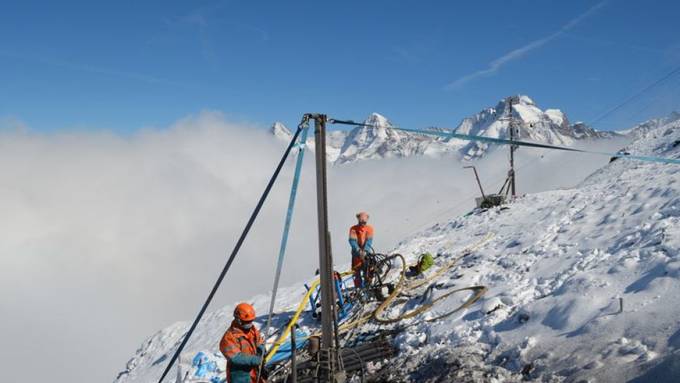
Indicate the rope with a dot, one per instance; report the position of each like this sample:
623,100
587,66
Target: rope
402,285
304,125
480,290
237,247
502,141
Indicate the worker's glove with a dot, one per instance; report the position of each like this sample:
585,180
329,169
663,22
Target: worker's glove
261,350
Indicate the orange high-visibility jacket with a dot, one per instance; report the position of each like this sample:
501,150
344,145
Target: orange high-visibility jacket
360,237
239,347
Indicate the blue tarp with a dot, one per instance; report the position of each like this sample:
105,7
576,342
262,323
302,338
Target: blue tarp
284,352
203,365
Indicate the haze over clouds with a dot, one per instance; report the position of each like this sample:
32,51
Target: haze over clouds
107,239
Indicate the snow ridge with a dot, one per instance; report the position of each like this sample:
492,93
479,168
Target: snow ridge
379,140
641,130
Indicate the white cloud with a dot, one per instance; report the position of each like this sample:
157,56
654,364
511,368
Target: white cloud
520,52
106,239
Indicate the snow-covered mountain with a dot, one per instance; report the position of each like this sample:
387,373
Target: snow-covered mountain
582,286
532,124
377,141
380,141
642,129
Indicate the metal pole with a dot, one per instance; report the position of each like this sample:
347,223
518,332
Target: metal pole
325,257
293,352
477,177
322,211
512,148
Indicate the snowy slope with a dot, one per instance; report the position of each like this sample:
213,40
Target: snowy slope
380,141
556,268
558,265
642,129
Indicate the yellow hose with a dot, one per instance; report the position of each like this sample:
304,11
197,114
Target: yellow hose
479,290
301,306
401,284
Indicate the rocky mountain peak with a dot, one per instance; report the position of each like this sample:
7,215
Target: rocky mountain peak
379,140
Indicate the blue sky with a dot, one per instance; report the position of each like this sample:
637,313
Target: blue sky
127,65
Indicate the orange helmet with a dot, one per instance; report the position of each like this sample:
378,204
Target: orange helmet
244,312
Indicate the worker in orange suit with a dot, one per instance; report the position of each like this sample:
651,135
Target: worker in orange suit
361,241
243,347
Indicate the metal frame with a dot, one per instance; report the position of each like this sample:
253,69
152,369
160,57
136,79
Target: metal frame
341,286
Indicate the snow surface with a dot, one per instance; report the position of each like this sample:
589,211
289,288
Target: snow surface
642,129
556,269
556,116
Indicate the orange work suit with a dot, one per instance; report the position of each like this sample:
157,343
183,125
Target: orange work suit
360,238
239,347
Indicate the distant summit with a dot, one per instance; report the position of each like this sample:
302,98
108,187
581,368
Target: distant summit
642,130
379,140
533,124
